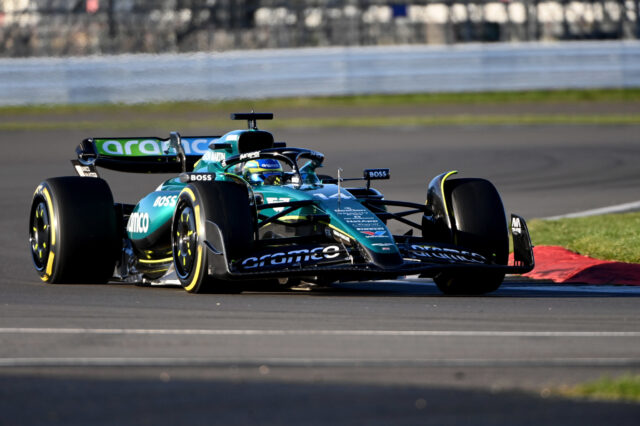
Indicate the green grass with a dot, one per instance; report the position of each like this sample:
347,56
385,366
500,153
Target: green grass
312,112
624,388
465,119
168,124
547,96
607,237
533,96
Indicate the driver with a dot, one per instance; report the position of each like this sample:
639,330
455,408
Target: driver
264,171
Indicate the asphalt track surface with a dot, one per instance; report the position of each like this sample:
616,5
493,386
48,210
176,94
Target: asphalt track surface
388,352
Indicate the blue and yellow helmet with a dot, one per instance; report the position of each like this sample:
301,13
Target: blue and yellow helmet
263,171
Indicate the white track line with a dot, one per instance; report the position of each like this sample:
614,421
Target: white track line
306,362
620,208
351,333
569,288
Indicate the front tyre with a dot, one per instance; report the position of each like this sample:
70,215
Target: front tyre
73,234
480,225
227,204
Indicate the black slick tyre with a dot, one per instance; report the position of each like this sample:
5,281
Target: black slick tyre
227,205
480,225
73,233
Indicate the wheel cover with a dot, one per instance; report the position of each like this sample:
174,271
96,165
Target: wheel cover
40,235
185,239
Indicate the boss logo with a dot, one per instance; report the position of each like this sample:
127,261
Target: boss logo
200,178
377,174
197,177
165,201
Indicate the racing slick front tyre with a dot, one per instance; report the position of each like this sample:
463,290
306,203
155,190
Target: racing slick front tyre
480,225
227,205
73,232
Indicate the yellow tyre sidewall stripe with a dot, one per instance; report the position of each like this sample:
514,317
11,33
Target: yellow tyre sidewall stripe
199,256
44,191
444,200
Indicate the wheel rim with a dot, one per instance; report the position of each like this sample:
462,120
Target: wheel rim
185,240
40,235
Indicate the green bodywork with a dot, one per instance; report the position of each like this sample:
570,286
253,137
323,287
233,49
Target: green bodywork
342,213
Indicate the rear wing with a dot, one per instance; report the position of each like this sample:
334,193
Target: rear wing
143,154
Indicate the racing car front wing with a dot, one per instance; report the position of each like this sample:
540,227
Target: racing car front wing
337,261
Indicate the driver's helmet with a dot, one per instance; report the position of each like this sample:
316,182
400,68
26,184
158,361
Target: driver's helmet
267,171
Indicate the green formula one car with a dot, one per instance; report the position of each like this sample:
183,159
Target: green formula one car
244,210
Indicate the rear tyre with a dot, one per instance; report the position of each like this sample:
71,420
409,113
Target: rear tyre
480,225
73,233
227,205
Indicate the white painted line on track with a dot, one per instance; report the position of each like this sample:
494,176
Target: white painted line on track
318,362
564,288
351,333
620,208
509,284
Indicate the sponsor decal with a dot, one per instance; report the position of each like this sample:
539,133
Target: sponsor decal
383,246
165,201
342,194
376,174
516,226
218,156
196,146
232,137
85,171
138,223
290,257
270,165
448,254
250,155
337,235
341,236
214,156
375,234
146,147
363,221
274,200
197,177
